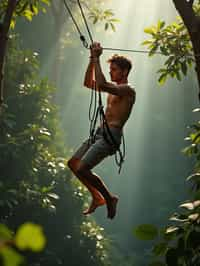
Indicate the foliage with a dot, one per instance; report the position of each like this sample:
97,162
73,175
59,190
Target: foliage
179,244
25,8
28,236
95,13
172,41
35,183
106,16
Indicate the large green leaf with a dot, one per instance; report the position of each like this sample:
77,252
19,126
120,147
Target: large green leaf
30,236
5,233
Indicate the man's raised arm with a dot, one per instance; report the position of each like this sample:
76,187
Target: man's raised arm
89,79
102,84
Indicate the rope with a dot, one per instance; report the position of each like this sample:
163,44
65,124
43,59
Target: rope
85,20
129,50
82,37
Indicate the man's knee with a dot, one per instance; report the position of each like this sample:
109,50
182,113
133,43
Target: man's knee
77,166
72,164
82,168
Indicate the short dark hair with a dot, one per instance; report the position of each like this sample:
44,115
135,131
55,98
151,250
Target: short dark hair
121,61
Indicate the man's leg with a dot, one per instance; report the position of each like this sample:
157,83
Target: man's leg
96,182
97,198
88,157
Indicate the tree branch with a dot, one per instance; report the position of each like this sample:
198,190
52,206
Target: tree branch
192,23
3,40
186,11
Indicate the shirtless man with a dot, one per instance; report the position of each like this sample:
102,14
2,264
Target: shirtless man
120,100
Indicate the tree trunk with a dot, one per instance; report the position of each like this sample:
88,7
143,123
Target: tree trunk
4,29
192,23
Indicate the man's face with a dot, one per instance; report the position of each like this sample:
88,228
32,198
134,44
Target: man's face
116,74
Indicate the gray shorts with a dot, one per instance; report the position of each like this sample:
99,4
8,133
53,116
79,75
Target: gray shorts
92,154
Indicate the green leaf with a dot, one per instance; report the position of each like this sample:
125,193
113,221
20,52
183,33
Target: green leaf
196,110
28,15
187,205
30,236
12,24
46,2
178,75
162,24
108,12
10,257
184,68
176,25
146,232
164,50
162,78
153,48
151,30
172,230
106,26
53,195
95,20
113,26
5,233
147,42
195,176
179,218
114,20
169,61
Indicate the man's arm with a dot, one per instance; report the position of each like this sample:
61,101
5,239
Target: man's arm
89,79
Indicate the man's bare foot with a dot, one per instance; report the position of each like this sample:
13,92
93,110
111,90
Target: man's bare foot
111,206
94,205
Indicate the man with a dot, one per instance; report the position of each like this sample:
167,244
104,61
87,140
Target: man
120,100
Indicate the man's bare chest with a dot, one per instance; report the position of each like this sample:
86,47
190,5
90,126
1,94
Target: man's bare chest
114,100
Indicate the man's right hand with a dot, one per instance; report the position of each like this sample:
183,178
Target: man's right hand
96,50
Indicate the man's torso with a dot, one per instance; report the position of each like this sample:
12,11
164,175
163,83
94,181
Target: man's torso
118,109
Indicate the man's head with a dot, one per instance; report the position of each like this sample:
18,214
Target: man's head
120,67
